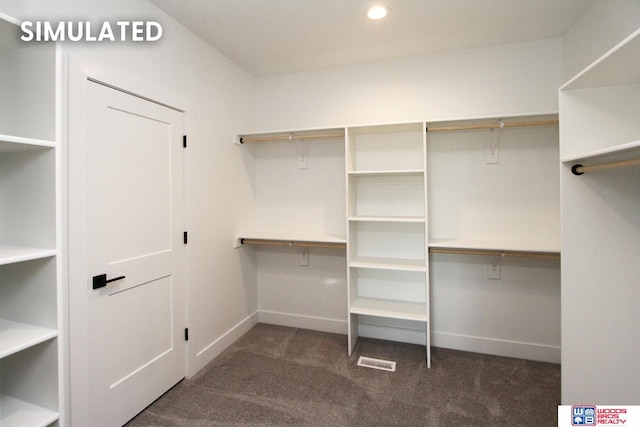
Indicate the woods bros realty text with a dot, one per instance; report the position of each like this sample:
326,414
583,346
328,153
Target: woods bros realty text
136,31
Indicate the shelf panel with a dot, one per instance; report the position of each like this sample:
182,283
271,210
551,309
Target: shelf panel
293,239
14,254
10,143
496,247
387,219
630,149
15,337
389,263
18,413
392,309
407,172
619,66
332,134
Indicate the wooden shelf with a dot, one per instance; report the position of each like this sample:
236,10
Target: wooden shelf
18,413
392,309
15,337
495,248
619,66
14,254
10,143
389,263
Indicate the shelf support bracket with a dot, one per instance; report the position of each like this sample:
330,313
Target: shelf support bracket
492,147
302,154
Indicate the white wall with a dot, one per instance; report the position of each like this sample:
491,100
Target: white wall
218,98
605,24
493,82
518,315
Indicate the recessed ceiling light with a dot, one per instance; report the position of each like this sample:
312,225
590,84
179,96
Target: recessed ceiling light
377,11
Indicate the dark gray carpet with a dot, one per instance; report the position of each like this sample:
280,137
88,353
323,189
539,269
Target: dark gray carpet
277,376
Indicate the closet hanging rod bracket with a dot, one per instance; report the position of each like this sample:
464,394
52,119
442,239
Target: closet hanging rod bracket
579,169
302,155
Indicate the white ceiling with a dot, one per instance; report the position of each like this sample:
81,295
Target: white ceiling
280,36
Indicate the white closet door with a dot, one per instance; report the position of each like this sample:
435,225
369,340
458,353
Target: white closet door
135,215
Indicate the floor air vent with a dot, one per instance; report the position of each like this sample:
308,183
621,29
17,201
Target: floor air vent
384,365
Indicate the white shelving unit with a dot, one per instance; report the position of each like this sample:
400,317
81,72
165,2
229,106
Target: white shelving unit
494,235
387,233
298,195
600,114
505,202
294,234
29,258
495,247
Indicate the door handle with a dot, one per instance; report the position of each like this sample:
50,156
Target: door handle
100,281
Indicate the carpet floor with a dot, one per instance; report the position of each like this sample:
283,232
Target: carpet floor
279,376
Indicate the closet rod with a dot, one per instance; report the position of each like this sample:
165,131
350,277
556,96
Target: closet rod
244,139
489,252
580,169
292,243
494,125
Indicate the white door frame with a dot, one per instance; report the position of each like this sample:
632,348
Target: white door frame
75,169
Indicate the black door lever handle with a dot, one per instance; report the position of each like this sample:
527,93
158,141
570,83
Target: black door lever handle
100,281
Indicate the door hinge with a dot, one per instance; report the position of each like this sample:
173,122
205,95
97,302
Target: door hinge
186,334
184,141
184,238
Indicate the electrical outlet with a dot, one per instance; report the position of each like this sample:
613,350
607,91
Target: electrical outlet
493,269
303,257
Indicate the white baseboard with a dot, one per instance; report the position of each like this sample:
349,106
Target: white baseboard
498,347
211,351
484,345
305,322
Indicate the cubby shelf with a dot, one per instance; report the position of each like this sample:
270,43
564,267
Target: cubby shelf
408,172
389,263
392,309
13,254
9,143
15,336
387,219
17,413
